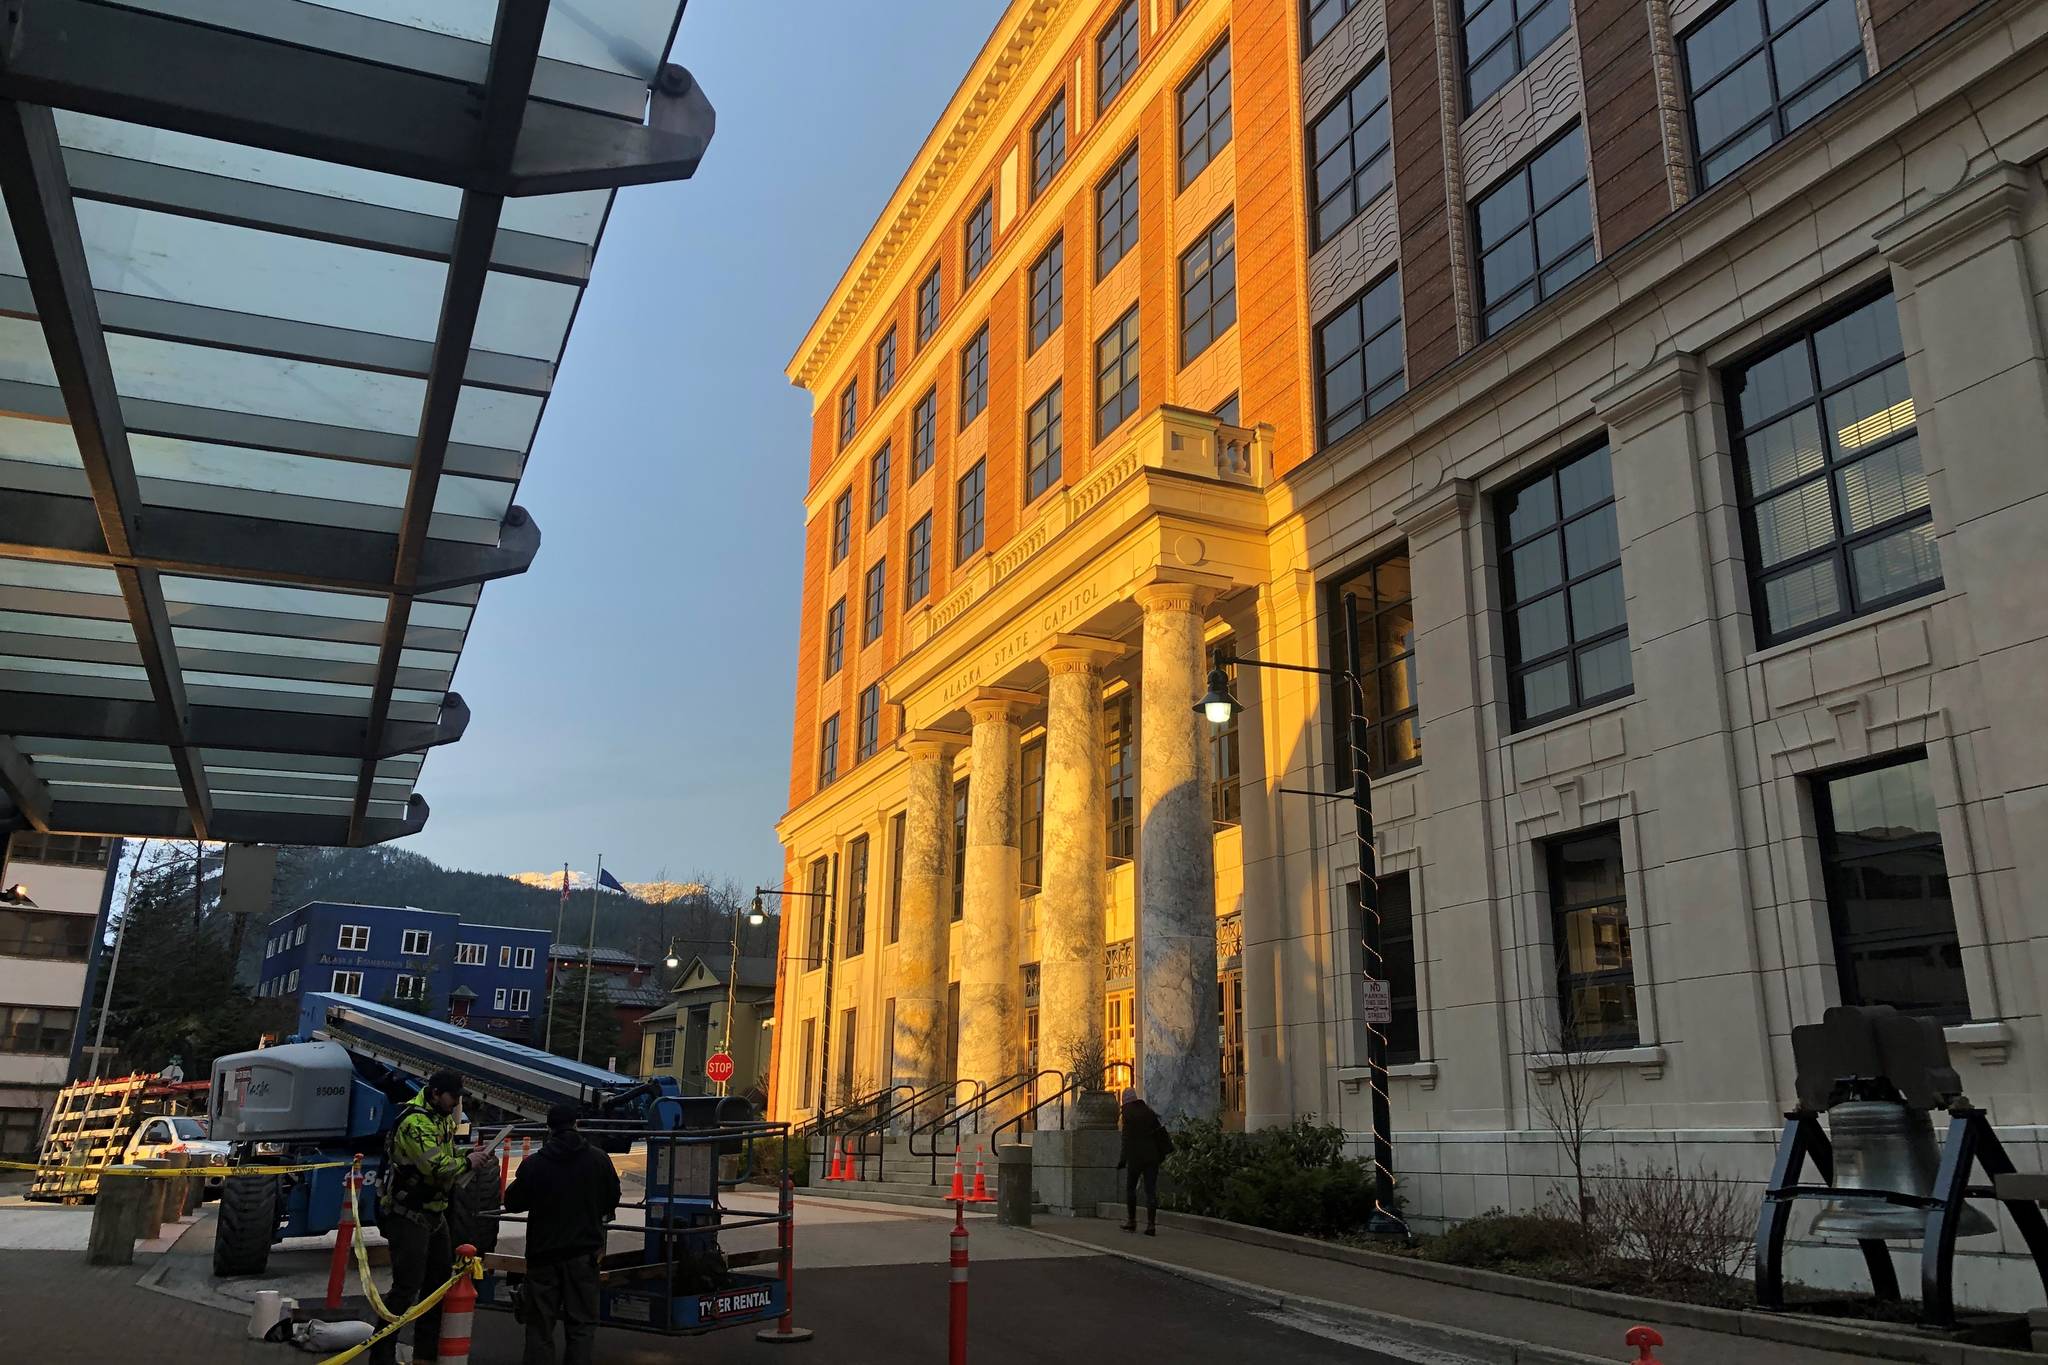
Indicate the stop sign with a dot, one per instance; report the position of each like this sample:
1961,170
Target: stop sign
718,1067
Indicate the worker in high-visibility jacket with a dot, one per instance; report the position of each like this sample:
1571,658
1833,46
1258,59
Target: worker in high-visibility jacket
423,1167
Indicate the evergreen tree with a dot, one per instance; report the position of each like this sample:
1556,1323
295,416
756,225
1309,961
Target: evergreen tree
565,1007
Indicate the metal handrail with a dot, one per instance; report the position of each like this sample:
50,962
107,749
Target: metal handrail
879,1124
947,1117
1067,1087
1003,1089
823,1122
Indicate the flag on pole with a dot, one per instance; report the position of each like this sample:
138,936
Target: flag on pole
608,882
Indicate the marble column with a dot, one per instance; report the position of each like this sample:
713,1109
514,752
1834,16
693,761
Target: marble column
1075,894
991,978
921,956
1179,1062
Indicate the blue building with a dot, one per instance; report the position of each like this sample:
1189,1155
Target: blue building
487,976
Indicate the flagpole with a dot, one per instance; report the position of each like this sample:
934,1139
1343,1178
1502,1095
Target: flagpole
561,909
589,959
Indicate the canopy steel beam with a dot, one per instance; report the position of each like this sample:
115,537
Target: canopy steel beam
262,91
233,826
65,530
19,782
515,48
317,217
45,225
286,339
33,716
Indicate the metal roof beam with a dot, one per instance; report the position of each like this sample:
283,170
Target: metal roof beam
33,716
21,785
317,217
66,530
45,226
233,826
286,339
265,91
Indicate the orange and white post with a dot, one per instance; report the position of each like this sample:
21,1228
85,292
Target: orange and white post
458,1310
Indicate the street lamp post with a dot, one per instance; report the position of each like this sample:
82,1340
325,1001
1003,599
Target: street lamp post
1220,706
755,918
831,898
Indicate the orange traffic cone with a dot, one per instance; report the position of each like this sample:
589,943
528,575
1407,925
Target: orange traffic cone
980,1194
851,1170
832,1167
958,1194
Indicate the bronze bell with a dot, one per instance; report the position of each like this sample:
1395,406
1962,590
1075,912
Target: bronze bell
1884,1145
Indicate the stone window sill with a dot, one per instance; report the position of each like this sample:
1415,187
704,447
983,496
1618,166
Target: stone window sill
1354,1078
1649,1060
1988,1043
1881,616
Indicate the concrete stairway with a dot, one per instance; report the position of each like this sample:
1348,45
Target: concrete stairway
899,1177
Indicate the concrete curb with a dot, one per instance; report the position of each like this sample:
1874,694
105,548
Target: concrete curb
1816,1333
1413,1331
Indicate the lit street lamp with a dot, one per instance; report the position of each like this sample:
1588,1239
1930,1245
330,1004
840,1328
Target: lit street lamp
1219,706
756,919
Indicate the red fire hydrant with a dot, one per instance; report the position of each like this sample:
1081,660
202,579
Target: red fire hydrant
1643,1338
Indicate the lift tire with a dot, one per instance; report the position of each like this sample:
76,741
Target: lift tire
245,1225
473,1209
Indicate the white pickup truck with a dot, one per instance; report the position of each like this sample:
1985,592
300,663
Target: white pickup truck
170,1133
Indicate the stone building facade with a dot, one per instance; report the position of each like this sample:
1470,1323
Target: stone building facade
1648,399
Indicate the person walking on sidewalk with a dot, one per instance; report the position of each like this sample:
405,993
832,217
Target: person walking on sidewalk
570,1190
422,1169
1146,1144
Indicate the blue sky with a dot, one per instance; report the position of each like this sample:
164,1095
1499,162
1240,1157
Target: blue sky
632,692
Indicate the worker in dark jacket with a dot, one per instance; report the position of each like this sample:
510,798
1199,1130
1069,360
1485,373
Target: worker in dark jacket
1145,1145
570,1190
423,1167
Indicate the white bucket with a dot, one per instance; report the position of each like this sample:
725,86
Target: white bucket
264,1315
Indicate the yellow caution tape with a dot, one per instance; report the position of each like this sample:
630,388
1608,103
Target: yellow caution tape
473,1266
168,1172
363,1259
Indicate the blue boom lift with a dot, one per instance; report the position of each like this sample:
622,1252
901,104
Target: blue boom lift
333,1091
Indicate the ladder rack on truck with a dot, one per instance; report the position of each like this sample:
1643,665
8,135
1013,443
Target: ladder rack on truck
90,1125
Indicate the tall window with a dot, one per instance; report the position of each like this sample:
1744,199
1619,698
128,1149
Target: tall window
1359,365
1227,412
1116,54
1324,15
835,637
415,943
959,847
878,485
1397,967
874,597
1351,145
814,925
1888,896
888,1041
1049,144
1120,780
828,750
897,825
928,294
974,377
1372,627
1225,757
806,1053
870,723
1205,113
1042,444
885,364
469,954
1048,286
1502,37
1208,288
924,433
1596,976
849,411
917,582
979,239
856,920
849,1034
1116,374
346,983
405,987
1827,459
1116,213
968,503
665,1048
1535,231
353,938
842,526
1031,815
1755,72
1567,621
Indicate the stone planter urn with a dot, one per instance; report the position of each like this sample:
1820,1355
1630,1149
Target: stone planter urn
1095,1109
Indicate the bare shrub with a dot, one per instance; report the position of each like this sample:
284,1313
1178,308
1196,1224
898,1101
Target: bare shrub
1674,1227
1566,1104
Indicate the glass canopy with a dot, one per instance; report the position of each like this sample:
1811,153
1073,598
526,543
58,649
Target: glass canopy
283,288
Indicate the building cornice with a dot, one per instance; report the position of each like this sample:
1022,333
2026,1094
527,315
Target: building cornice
979,105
